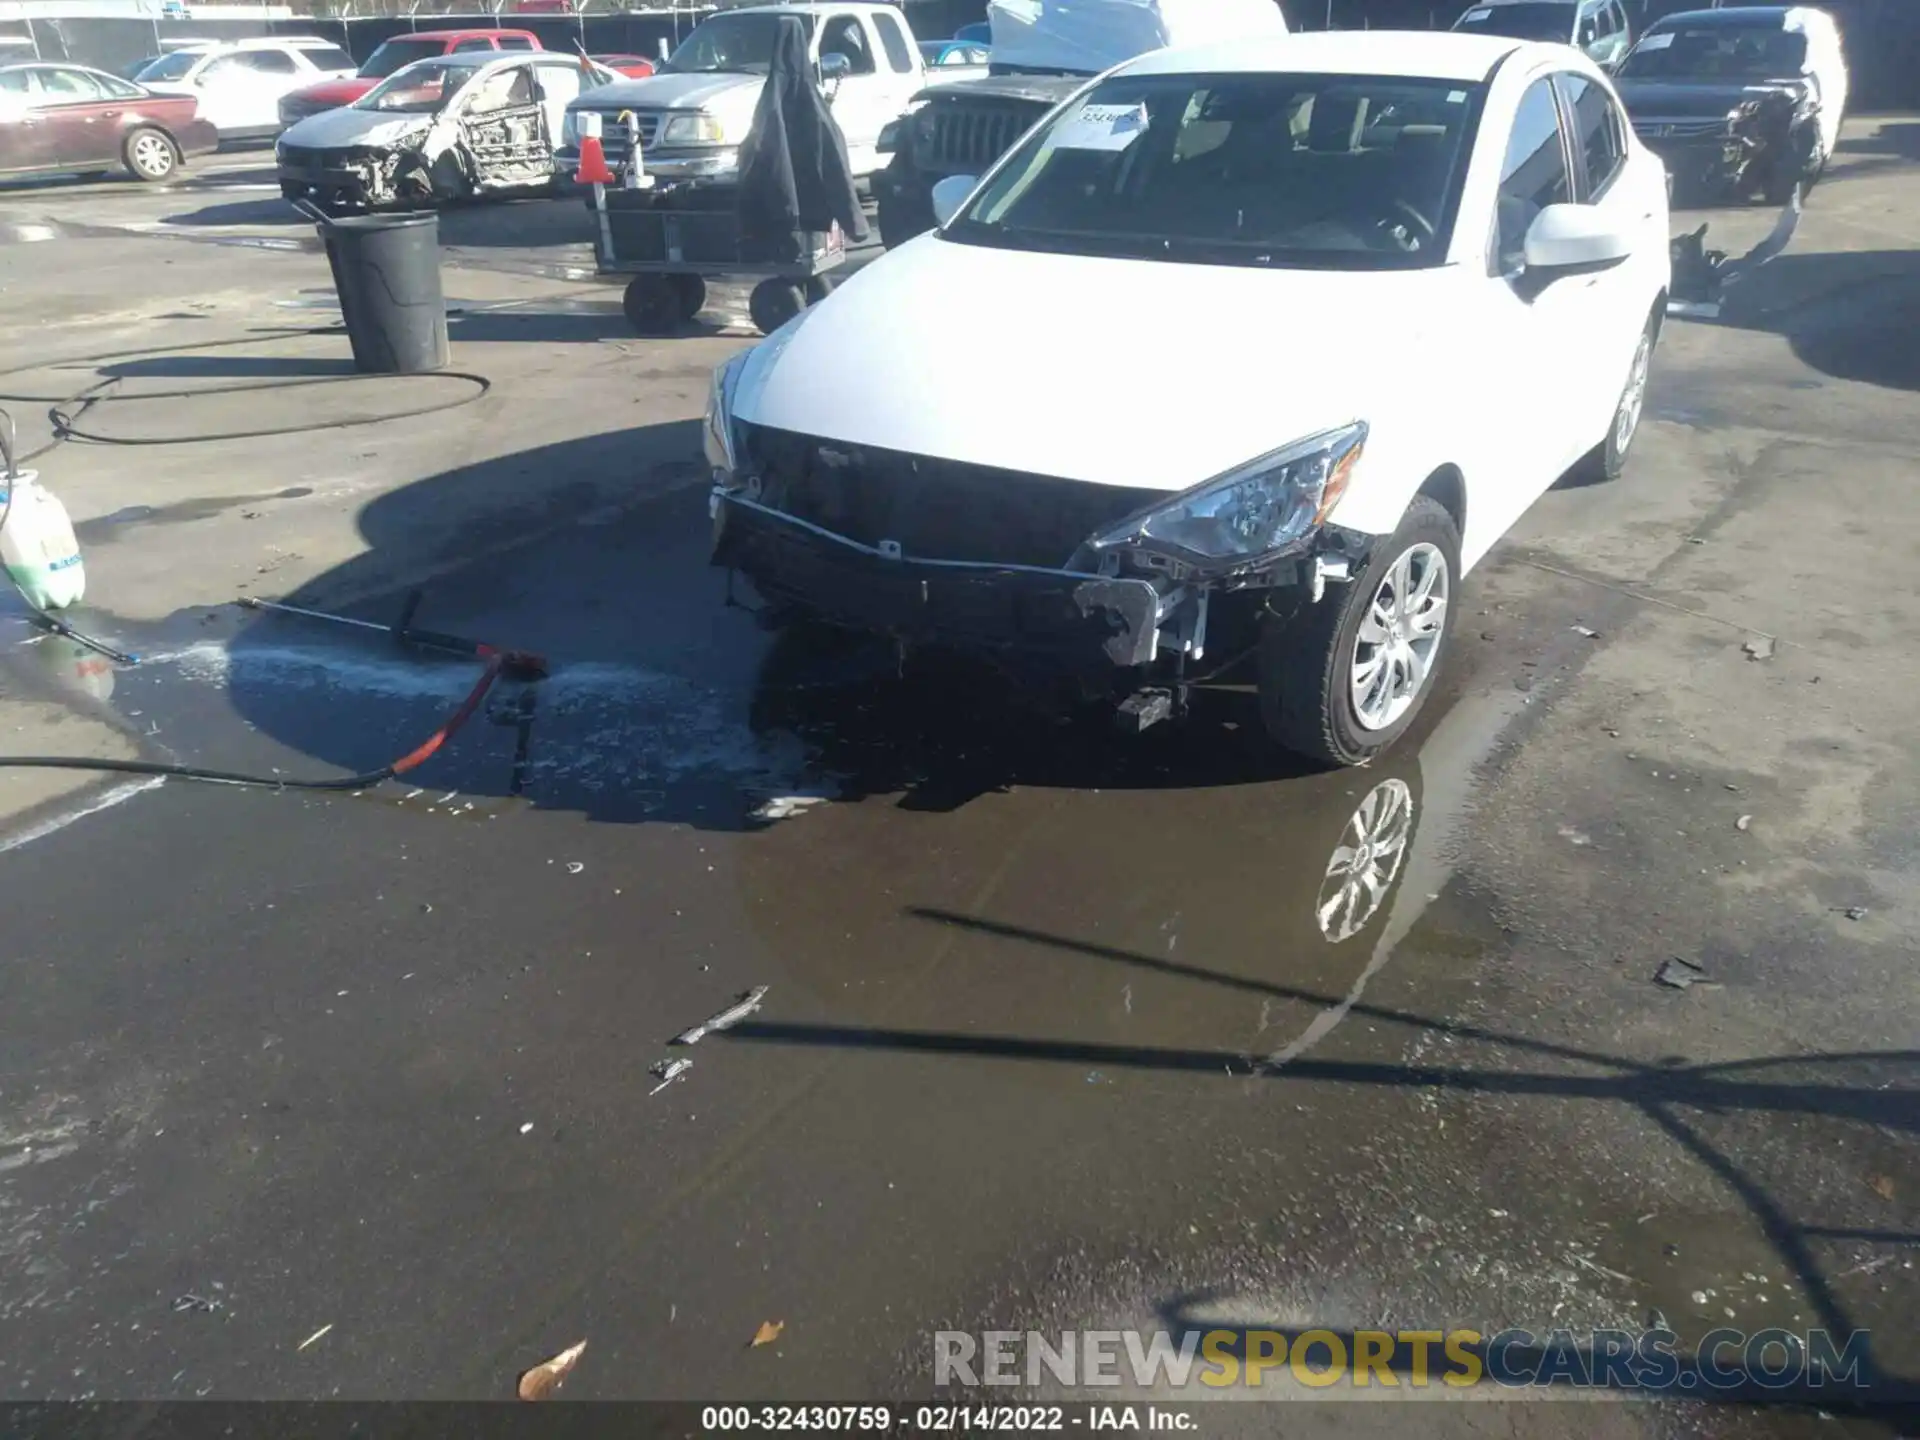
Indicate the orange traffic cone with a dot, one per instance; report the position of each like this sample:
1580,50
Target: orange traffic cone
593,163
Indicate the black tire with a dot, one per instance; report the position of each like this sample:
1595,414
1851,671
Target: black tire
774,302
150,154
691,293
819,287
1608,460
652,304
1305,662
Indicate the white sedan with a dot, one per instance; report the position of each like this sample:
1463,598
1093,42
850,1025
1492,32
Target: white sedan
1250,349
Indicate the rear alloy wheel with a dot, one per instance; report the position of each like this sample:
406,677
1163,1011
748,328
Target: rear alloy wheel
150,154
1344,679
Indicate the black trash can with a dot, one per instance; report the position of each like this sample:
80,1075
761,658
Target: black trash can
386,271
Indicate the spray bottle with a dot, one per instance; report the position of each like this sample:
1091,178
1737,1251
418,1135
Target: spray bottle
37,544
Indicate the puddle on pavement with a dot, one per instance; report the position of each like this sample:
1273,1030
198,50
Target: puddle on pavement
105,529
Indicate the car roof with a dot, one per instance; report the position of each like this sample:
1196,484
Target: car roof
1734,15
1412,54
476,31
808,7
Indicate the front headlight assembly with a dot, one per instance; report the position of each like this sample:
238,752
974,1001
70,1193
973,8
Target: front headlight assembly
717,435
1255,514
699,129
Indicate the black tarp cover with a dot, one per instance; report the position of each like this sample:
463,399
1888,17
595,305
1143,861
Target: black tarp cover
795,179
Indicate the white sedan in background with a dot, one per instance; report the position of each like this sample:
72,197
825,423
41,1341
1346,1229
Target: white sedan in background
1288,334
239,85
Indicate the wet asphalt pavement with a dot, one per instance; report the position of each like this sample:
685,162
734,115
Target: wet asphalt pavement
1061,1029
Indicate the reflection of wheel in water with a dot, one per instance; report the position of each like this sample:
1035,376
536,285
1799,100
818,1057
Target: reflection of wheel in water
1364,864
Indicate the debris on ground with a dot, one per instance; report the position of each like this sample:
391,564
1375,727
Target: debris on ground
1760,649
527,1129
545,1378
1881,1185
1575,837
1583,630
1855,912
768,1332
574,867
191,1301
313,1337
668,1071
784,807
1743,822
726,1019
1678,974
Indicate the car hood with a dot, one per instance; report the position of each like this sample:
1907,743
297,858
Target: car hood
1136,373
1695,98
1040,90
336,129
670,92
334,92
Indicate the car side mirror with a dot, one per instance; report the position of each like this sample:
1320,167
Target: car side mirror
950,194
1564,238
835,66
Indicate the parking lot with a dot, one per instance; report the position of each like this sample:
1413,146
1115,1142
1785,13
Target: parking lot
1057,1033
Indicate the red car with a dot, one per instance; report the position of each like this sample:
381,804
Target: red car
67,119
634,67
400,50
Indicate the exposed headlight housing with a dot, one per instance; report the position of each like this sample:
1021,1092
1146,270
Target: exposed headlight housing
699,129
1252,515
717,434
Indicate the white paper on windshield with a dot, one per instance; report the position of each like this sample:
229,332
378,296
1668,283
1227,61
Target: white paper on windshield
1656,42
1102,127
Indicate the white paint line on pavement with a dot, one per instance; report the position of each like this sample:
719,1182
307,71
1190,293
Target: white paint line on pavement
115,796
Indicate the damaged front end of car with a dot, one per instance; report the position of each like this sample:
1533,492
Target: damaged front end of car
1109,592
366,177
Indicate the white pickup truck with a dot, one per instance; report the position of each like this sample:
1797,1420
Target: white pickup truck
696,109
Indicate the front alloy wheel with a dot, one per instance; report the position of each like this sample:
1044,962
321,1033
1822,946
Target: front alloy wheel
1400,637
1343,679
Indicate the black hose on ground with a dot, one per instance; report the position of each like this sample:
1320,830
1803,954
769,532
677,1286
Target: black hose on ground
96,393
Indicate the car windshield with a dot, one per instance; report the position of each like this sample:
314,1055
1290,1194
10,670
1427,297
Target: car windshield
1535,20
396,53
171,67
422,89
1717,52
730,43
1329,171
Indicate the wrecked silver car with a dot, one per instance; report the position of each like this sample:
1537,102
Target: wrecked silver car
443,129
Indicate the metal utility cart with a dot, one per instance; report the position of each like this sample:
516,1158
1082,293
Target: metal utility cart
670,237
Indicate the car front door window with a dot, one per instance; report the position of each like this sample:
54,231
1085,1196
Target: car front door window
844,37
502,90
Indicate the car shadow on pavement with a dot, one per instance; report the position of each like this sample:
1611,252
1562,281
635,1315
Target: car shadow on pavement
665,703
1899,138
1845,314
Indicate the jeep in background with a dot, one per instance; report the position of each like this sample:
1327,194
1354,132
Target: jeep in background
1042,51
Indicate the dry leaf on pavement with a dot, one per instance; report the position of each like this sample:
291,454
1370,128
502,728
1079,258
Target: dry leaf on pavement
768,1332
543,1379
1882,1185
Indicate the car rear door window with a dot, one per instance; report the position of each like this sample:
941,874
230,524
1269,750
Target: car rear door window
560,81
515,42
1534,174
65,87
268,62
473,43
1598,133
327,57
899,53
